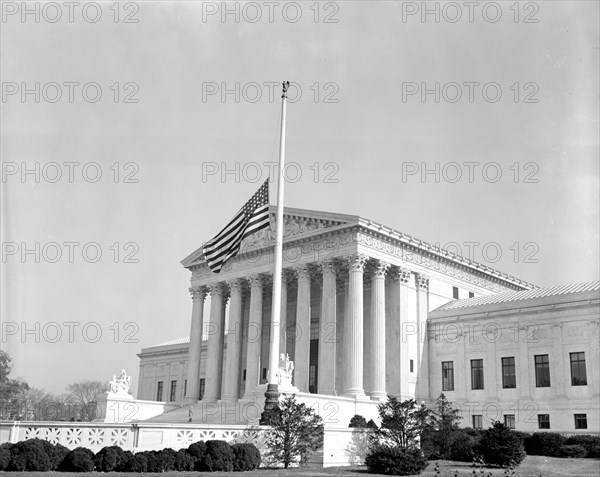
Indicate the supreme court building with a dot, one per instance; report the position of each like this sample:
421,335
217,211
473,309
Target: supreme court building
358,323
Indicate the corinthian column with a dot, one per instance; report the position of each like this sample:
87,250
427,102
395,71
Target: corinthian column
302,353
234,342
422,283
353,329
377,334
395,331
327,331
215,331
254,335
195,350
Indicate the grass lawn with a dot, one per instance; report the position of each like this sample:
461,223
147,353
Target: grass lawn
532,466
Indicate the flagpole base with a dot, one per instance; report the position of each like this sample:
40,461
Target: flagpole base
271,403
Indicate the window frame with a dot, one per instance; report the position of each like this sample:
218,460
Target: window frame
173,391
475,369
541,370
448,381
506,376
159,390
542,424
480,419
508,417
581,418
579,365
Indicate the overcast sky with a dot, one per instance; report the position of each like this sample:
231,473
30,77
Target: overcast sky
358,140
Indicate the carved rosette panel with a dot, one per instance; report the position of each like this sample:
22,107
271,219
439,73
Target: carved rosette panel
422,281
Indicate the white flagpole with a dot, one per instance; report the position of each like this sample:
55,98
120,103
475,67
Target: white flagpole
272,393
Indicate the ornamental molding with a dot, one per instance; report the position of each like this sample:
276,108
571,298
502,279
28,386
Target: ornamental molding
333,246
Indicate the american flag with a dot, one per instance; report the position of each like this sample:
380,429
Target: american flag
252,217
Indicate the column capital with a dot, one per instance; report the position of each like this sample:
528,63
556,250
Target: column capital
399,274
327,267
218,289
301,272
422,281
235,286
378,268
356,261
198,292
256,281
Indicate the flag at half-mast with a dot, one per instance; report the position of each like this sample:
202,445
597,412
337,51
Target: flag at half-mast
252,217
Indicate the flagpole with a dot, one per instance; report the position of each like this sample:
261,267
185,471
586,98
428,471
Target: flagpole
272,392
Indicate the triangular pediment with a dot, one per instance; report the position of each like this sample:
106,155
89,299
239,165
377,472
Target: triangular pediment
296,224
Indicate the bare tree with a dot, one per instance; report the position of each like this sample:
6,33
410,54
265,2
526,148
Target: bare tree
85,393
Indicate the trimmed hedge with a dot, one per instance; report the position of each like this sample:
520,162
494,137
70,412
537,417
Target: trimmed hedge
395,461
591,444
29,455
219,457
40,455
574,451
78,460
246,457
545,443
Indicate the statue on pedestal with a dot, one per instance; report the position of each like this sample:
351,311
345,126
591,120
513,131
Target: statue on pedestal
120,386
286,369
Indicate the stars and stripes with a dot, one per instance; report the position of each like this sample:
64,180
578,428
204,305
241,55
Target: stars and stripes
252,217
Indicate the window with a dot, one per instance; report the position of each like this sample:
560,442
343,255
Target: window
312,378
185,387
159,391
477,374
244,375
455,293
580,421
471,295
509,379
201,390
264,373
509,421
543,421
447,375
542,371
578,375
411,366
477,421
173,393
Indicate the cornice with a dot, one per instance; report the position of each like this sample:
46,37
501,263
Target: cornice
383,239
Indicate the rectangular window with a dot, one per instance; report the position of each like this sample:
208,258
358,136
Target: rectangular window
543,421
455,293
509,379
477,374
159,391
477,421
471,295
173,393
264,373
312,379
244,375
185,387
580,421
578,374
542,371
447,375
509,421
411,366
201,388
